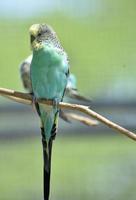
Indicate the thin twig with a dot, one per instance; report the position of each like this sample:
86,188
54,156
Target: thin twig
27,98
85,120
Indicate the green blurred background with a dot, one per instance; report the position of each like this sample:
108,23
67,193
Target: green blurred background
99,37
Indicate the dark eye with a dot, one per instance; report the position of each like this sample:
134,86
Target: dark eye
45,31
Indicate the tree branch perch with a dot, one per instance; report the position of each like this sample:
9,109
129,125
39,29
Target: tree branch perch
27,99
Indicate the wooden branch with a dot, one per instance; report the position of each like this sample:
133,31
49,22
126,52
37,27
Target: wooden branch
82,119
27,99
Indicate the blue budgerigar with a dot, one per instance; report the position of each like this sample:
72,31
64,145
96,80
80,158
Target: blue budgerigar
71,93
49,71
71,88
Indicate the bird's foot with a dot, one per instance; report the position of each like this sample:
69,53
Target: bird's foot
31,93
35,104
34,101
56,102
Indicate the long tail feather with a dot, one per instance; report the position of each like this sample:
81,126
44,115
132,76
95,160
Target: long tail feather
47,151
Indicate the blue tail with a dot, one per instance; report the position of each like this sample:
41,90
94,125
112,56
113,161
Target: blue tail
47,141
47,152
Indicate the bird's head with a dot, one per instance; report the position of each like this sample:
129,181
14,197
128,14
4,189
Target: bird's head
39,34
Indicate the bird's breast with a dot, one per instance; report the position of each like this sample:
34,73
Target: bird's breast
48,74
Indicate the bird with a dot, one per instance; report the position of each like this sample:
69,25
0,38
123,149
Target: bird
49,71
71,90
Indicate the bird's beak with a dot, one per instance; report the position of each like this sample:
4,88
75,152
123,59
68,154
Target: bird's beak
33,32
34,29
32,38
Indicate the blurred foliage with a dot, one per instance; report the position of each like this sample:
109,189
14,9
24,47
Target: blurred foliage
82,168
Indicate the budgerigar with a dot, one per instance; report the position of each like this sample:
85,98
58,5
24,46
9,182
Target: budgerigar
71,88
70,92
49,72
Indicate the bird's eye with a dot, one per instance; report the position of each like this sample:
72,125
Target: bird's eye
45,31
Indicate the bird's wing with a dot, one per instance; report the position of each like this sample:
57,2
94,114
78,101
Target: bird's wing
74,94
25,73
